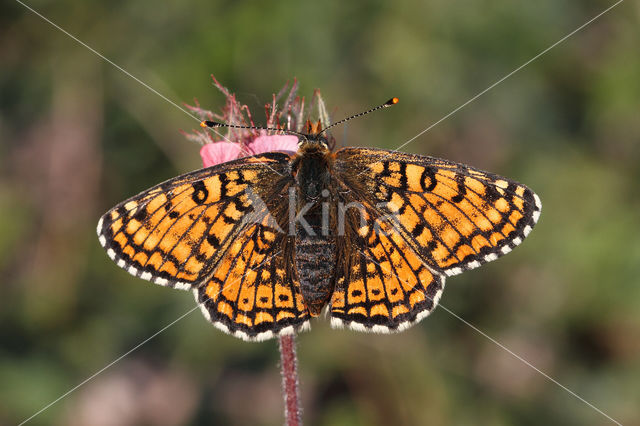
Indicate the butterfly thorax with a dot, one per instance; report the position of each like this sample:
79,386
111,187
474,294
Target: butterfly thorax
315,247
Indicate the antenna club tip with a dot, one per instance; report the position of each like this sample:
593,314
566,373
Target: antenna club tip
392,101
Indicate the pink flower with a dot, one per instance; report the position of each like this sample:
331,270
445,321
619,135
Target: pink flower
221,152
237,143
286,143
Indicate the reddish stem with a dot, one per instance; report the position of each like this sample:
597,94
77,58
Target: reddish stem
289,368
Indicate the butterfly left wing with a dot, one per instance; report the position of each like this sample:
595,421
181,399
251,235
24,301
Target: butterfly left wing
216,231
453,216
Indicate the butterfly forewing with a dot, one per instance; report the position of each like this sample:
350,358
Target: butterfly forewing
453,216
173,233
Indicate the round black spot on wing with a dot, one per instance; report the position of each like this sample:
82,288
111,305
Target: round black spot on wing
428,179
200,192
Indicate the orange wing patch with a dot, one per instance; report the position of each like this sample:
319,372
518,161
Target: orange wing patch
251,295
174,233
388,287
453,216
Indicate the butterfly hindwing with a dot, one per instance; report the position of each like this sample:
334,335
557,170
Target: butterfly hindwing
253,294
386,287
453,216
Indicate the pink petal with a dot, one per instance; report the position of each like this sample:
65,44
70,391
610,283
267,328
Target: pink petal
219,152
287,143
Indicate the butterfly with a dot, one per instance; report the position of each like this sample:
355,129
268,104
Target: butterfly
269,241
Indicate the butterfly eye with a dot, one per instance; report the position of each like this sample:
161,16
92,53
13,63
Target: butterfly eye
324,143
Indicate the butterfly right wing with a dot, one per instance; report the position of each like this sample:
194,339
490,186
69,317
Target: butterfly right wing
425,219
386,287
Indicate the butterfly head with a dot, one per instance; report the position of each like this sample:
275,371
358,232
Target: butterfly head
313,132
313,137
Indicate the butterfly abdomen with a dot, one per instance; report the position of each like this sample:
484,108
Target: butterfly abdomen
315,252
315,263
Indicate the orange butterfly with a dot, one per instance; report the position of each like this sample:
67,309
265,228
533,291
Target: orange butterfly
266,242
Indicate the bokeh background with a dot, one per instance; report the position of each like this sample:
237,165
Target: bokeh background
78,136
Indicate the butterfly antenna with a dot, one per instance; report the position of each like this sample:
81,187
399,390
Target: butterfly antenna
387,104
215,124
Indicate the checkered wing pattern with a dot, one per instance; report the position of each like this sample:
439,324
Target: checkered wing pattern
385,286
454,216
442,218
188,232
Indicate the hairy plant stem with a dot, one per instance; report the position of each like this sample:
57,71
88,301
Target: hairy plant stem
289,370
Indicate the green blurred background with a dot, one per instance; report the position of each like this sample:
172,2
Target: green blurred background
78,136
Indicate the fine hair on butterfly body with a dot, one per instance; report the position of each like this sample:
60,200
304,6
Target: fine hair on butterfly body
268,241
